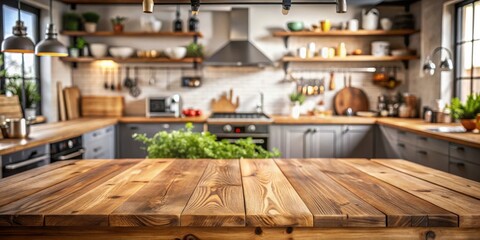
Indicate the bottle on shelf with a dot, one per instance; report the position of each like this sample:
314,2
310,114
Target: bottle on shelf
178,24
193,23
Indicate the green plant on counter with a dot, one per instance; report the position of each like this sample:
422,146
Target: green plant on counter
469,110
91,17
118,20
194,50
80,43
187,144
297,97
71,21
14,86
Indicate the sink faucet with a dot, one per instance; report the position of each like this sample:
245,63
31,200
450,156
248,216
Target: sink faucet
260,104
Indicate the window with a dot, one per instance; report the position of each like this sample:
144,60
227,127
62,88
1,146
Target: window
467,48
13,61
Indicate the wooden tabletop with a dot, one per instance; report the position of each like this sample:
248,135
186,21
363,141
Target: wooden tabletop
319,193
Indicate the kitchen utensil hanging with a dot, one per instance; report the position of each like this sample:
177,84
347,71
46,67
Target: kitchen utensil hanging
128,82
112,84
119,83
135,90
105,80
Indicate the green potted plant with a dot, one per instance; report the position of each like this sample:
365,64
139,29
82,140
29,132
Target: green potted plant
194,50
14,86
467,112
296,99
91,19
118,23
71,21
191,145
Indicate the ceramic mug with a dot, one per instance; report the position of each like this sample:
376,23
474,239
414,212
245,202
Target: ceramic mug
386,24
353,25
325,25
380,48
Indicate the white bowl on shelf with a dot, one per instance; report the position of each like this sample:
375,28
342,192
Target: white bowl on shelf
98,50
121,52
176,52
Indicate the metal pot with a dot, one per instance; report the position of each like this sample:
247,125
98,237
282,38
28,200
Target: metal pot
15,128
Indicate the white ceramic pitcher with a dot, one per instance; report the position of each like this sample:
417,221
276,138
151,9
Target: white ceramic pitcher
370,19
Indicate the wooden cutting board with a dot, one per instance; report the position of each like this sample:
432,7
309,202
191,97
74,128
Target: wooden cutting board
225,104
102,106
72,102
10,107
350,97
62,113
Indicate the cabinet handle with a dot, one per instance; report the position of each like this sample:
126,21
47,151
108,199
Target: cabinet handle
97,149
423,138
402,132
401,145
423,152
305,142
460,149
314,131
346,130
134,128
166,126
459,164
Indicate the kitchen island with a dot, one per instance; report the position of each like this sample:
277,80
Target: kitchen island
238,199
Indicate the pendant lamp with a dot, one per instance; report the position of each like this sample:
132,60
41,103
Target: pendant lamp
18,42
50,46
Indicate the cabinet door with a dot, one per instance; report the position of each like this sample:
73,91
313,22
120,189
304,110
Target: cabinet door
386,142
432,159
130,148
407,152
325,142
100,144
464,169
357,141
297,142
275,139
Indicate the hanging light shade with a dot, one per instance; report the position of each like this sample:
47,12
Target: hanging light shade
18,42
50,46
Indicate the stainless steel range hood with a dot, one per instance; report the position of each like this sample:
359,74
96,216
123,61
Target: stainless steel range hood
239,51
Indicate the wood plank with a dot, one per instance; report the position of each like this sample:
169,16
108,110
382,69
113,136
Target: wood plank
132,34
354,58
132,60
218,198
18,190
102,106
331,204
437,177
234,233
340,33
29,211
94,207
467,208
161,202
72,102
10,107
402,209
270,200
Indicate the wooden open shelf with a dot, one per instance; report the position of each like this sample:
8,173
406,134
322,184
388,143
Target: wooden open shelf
131,34
359,58
131,60
340,33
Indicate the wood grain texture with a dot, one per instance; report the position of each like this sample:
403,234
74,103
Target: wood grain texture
331,204
132,34
350,97
72,102
132,119
467,208
10,107
236,233
102,106
402,209
62,112
218,198
287,120
270,200
353,58
161,202
225,104
94,207
452,182
131,60
340,33
29,211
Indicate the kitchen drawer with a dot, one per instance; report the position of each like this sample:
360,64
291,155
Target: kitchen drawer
431,144
94,148
407,151
464,169
433,159
466,153
99,134
406,137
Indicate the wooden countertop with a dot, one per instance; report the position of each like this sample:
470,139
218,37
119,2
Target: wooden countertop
140,119
420,127
52,132
283,119
265,193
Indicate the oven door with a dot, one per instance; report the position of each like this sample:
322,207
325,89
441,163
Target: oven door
24,165
72,154
259,141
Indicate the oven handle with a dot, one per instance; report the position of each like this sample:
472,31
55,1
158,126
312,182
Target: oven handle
26,163
256,141
72,155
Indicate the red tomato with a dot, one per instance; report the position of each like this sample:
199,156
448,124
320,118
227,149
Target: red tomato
198,112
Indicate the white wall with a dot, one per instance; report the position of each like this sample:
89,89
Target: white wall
246,82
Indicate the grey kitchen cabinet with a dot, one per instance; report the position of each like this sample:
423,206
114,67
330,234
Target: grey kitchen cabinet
100,144
357,141
306,141
464,161
129,148
386,142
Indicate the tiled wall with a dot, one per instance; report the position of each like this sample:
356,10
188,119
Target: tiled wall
246,82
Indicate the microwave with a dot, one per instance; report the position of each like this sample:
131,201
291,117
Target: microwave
164,106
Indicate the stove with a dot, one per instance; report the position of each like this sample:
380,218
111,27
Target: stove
234,126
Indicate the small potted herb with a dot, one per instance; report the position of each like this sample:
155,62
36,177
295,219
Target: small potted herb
14,86
296,99
118,23
91,19
194,50
71,21
467,112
